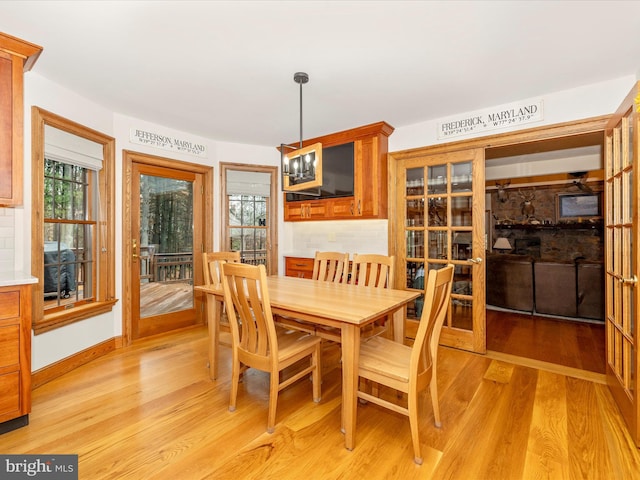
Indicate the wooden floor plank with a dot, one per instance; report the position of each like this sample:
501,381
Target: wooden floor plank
151,411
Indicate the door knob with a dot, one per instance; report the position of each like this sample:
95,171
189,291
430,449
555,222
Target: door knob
628,281
476,260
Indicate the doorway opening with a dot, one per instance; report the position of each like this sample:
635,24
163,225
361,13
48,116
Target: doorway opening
545,275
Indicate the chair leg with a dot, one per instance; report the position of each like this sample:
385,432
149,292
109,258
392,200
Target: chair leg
433,388
235,379
413,422
315,375
273,400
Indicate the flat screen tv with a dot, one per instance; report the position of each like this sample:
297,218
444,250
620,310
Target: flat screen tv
575,206
337,175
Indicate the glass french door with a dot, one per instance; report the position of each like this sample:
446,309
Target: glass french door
441,199
622,260
163,238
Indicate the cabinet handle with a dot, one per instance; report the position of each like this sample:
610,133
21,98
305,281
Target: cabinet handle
359,209
351,208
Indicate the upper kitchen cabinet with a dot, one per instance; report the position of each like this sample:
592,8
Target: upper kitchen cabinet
355,181
16,57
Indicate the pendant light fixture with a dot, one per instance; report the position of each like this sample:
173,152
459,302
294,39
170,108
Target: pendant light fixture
301,165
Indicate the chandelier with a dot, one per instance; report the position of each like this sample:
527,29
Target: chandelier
301,166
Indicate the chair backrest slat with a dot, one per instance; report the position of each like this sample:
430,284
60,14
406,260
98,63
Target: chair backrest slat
372,270
436,305
331,267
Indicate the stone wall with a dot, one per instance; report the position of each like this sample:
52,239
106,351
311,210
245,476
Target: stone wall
542,234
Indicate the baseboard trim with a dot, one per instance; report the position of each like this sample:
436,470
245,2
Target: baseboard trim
59,368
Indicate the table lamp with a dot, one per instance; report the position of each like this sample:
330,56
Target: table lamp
502,245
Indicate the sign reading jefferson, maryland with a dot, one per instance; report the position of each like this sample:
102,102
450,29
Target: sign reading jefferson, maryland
500,117
167,142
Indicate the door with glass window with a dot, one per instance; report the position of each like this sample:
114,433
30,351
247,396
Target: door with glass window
622,260
440,201
164,232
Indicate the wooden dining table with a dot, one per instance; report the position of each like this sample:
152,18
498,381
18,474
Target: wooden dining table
343,306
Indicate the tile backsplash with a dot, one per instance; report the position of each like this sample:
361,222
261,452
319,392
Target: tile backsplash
353,236
7,238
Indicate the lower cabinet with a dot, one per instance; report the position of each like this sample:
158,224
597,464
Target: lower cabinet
300,267
15,356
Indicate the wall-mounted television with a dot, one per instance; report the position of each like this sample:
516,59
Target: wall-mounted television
337,174
576,206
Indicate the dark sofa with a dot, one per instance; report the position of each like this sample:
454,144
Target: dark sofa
568,289
510,281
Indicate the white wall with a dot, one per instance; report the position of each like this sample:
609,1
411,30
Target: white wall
295,238
50,347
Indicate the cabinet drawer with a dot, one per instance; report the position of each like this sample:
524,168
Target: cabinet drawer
298,267
9,346
10,398
9,304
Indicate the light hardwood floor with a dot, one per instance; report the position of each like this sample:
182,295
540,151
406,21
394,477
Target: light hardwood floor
149,411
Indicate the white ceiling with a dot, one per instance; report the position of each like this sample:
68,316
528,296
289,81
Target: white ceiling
224,70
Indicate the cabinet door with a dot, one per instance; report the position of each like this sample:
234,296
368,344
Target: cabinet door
343,208
10,191
16,57
294,211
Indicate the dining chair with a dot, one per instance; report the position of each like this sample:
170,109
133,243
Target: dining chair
331,267
374,270
258,342
410,369
212,272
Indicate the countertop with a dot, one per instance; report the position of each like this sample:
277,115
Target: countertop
16,277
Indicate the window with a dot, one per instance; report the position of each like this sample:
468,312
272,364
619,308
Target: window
69,229
72,192
249,212
248,227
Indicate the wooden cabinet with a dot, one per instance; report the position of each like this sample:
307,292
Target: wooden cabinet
15,356
16,57
298,267
371,183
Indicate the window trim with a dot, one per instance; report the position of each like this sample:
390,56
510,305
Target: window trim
105,234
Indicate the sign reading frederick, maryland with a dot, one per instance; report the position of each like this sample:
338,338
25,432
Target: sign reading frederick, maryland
167,142
505,116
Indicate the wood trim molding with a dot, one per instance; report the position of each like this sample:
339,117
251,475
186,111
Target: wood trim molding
129,158
55,370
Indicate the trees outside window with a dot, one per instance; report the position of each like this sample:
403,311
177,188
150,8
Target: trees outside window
73,221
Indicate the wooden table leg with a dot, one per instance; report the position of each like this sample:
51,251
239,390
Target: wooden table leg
398,324
213,322
350,354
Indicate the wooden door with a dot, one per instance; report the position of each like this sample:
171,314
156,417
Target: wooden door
623,258
164,226
440,220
